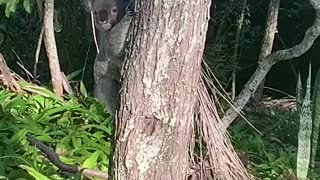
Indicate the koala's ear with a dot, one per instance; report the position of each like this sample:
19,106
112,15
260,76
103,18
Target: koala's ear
88,4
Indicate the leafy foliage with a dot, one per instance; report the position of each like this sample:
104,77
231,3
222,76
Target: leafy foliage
20,32
11,6
219,52
272,154
77,128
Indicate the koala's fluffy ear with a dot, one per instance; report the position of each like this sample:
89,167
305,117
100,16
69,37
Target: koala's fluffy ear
88,4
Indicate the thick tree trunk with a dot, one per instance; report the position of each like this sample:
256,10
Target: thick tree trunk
159,95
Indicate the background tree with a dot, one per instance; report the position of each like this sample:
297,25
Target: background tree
263,68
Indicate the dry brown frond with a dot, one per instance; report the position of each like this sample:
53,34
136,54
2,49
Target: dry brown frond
220,156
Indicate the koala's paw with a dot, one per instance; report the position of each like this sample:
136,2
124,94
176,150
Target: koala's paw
131,13
130,8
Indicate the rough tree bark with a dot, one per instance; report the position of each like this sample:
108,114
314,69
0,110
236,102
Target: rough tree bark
265,65
159,94
51,47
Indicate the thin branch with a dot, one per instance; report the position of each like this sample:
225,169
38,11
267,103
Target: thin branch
36,59
236,48
20,63
54,159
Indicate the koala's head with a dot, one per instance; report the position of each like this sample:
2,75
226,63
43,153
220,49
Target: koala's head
105,13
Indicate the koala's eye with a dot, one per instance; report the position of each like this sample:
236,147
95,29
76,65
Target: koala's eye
114,10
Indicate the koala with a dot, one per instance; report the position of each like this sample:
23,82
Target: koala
106,13
112,19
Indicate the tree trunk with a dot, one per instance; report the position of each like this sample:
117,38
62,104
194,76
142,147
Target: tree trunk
158,96
267,43
51,47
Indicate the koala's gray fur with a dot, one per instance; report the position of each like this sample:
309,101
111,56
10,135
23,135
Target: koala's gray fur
111,42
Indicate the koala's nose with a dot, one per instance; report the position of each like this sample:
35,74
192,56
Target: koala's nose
103,16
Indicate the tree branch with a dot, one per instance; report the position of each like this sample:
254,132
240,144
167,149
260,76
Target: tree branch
263,68
7,76
54,159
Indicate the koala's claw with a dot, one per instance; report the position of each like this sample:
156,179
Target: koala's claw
131,13
130,8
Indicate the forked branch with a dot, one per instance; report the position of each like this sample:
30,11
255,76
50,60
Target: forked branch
263,68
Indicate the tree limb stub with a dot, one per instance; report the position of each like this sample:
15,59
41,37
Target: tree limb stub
263,68
54,159
7,76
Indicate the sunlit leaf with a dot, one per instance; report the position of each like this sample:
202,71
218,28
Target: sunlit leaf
37,175
3,177
18,136
91,161
27,5
83,90
11,7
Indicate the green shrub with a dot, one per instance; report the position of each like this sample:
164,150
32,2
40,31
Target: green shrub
78,129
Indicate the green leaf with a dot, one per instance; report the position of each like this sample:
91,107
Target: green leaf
39,90
101,127
73,74
83,90
11,7
76,142
3,2
19,135
91,161
66,160
27,6
305,132
37,175
46,114
3,177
